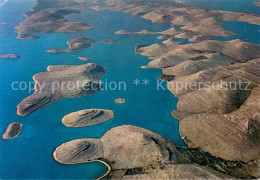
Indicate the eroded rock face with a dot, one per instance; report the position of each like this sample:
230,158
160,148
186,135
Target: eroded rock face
87,117
78,151
75,44
226,79
217,103
203,55
13,130
232,136
62,81
128,147
132,149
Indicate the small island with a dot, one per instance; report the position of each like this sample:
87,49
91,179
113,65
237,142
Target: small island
84,58
9,56
120,100
87,117
13,130
109,41
75,44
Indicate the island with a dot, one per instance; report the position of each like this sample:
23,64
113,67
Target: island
79,43
134,152
13,130
87,117
49,21
75,44
120,100
109,41
84,58
62,81
9,56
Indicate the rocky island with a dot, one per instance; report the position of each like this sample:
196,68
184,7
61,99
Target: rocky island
148,156
87,117
13,130
9,56
109,41
84,58
120,100
75,44
62,81
80,43
49,21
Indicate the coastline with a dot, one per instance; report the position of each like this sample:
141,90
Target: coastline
108,169
106,164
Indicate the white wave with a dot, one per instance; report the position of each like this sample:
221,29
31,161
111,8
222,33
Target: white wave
1,4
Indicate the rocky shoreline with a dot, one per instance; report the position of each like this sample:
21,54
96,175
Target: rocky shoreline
56,84
139,143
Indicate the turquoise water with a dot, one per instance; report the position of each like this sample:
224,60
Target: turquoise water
30,155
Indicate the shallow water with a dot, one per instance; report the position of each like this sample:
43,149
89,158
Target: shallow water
30,155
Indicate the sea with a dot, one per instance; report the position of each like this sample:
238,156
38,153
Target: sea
148,103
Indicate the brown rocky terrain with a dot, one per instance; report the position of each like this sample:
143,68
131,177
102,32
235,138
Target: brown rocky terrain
120,100
84,58
218,114
133,152
87,117
13,130
80,43
62,81
49,21
76,44
198,24
217,84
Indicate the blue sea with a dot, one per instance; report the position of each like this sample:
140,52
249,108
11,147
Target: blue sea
29,156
